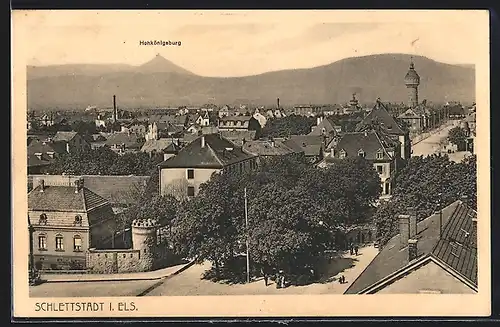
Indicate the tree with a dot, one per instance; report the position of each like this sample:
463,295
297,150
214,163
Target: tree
426,183
457,136
289,125
254,125
84,127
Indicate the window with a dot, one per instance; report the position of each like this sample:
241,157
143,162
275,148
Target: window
342,154
59,243
43,219
380,155
77,243
190,173
190,190
78,220
361,153
379,169
42,242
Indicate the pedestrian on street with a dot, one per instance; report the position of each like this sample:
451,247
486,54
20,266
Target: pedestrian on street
356,249
266,277
351,247
278,279
343,279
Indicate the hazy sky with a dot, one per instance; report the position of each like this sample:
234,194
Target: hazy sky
245,43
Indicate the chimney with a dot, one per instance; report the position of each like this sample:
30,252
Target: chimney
278,102
272,143
412,213
114,109
77,186
332,152
41,183
318,120
412,249
465,199
81,183
203,141
67,147
404,230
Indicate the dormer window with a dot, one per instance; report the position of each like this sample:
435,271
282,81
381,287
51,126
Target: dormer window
51,155
361,153
380,155
38,155
78,220
43,219
343,154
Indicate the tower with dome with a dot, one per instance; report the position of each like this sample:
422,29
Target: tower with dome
412,81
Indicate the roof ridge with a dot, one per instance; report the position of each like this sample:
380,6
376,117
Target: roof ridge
214,153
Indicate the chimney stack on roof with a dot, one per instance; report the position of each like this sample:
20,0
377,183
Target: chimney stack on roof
404,230
77,185
41,183
412,249
203,141
465,199
412,213
278,102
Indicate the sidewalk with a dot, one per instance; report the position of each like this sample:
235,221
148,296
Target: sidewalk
149,275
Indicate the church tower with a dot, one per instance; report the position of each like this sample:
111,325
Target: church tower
412,81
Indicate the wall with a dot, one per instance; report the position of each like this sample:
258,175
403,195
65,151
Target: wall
174,180
429,278
113,261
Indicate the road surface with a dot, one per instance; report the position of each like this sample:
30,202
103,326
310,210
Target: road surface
431,144
189,282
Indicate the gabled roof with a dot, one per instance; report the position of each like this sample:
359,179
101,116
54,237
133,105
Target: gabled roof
33,161
130,140
267,148
328,124
64,136
156,145
42,147
380,115
370,142
116,189
311,145
410,113
392,258
218,152
64,198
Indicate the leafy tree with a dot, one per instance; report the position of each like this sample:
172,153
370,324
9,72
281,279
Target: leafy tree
84,127
457,136
289,125
426,183
254,125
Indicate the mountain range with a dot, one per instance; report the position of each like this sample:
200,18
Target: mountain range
161,83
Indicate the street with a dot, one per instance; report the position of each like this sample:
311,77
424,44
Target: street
91,289
431,144
189,282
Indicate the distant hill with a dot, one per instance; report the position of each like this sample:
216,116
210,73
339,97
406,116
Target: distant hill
161,83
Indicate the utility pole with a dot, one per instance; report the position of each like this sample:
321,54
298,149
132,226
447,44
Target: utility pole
246,236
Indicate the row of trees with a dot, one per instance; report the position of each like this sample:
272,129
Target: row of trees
289,125
426,183
293,212
103,161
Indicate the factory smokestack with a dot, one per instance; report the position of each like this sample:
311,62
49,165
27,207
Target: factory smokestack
278,102
115,114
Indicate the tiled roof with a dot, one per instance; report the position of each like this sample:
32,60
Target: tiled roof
380,115
33,161
237,137
64,136
267,148
409,114
130,140
156,145
328,124
236,118
458,244
116,189
64,198
370,142
392,258
41,147
311,145
217,153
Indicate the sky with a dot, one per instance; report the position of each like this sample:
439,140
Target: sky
239,43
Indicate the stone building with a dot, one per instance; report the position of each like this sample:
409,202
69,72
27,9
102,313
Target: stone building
66,220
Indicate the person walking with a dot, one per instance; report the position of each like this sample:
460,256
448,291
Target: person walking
278,279
356,248
351,248
266,277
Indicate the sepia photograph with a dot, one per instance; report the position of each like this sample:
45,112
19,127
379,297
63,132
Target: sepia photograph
250,163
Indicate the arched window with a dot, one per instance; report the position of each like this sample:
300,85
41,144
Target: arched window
380,154
42,242
361,153
43,219
77,243
59,242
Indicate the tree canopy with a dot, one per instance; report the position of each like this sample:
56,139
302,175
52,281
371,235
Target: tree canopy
289,125
426,183
103,161
457,135
293,210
